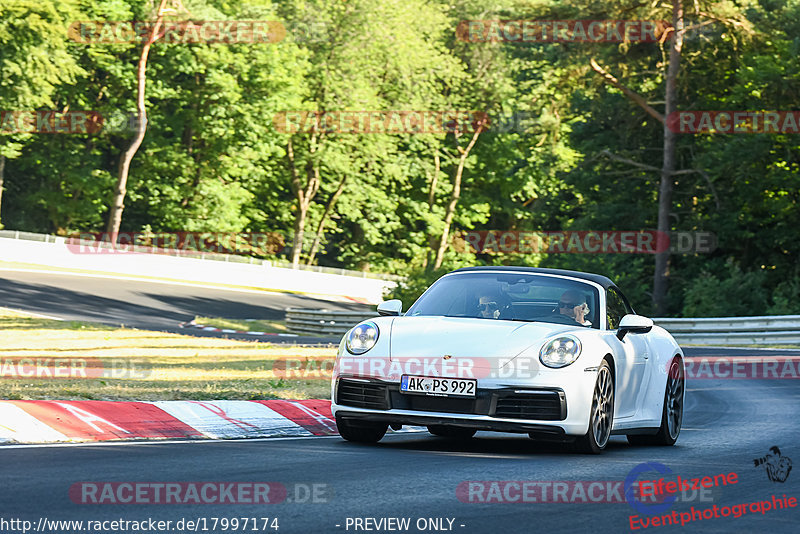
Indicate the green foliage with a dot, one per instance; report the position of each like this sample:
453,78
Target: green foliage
212,159
34,58
34,51
786,297
729,293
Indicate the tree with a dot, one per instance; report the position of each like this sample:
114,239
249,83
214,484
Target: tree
118,202
32,32
373,56
456,194
668,170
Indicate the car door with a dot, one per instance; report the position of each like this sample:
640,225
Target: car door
633,357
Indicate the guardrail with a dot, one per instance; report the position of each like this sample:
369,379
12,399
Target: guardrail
324,322
766,330
763,330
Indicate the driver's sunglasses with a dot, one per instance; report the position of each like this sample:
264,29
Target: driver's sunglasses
567,305
488,306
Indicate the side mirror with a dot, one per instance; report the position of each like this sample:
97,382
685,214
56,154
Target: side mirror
634,324
390,307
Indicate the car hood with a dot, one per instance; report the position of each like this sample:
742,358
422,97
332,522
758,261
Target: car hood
487,343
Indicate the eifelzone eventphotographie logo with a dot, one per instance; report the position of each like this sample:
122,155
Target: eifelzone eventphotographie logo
778,467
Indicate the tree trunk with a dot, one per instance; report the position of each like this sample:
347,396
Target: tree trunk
661,275
434,180
299,230
2,170
118,203
428,261
304,195
321,226
451,206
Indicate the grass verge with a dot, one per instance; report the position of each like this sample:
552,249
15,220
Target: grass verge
129,364
270,327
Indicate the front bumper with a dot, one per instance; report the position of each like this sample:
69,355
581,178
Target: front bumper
553,408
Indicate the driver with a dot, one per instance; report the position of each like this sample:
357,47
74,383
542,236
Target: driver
488,307
573,305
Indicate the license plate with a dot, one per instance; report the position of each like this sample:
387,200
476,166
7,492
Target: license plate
442,387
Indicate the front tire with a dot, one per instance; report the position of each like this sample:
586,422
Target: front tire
454,432
671,413
360,431
601,416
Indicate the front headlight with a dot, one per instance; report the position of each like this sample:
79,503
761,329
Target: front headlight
362,338
560,351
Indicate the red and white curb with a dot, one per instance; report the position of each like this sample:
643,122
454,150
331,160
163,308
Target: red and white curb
192,324
85,421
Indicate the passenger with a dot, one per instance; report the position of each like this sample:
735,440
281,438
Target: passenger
573,305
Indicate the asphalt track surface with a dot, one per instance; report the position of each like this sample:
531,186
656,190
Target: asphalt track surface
151,305
727,424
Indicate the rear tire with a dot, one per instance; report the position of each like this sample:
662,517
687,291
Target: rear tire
601,416
671,413
455,432
361,431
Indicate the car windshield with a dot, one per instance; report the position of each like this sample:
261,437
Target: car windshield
511,297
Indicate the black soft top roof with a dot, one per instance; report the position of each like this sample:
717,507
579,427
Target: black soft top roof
597,278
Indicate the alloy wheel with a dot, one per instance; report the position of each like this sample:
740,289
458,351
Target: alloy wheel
603,407
674,400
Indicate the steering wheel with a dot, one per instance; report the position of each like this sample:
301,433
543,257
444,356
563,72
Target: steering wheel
506,312
556,317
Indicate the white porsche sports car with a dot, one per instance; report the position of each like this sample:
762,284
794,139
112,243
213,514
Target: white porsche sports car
557,354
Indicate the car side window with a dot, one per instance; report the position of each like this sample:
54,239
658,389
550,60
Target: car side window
615,308
625,302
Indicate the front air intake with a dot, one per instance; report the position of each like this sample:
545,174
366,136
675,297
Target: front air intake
362,395
544,406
